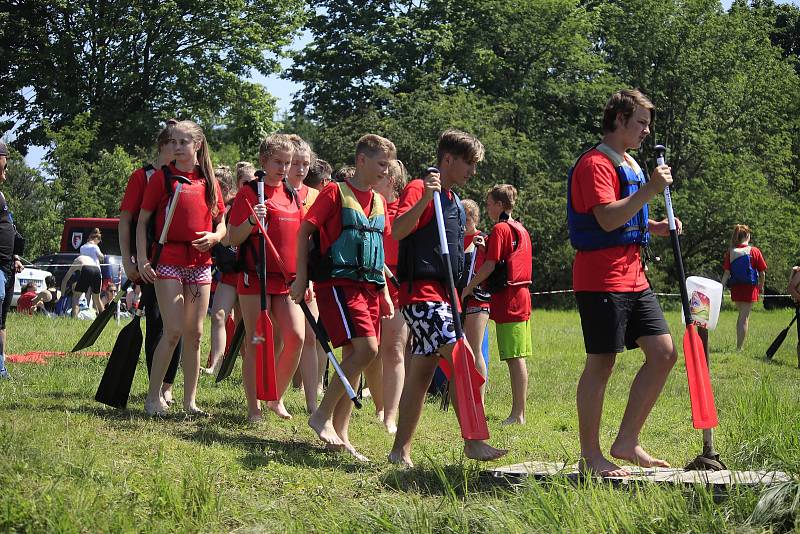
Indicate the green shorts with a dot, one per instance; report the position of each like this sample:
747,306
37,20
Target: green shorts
514,340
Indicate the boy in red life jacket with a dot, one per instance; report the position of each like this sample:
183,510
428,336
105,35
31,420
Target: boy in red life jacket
423,282
128,217
312,357
183,275
282,214
509,243
386,374
607,217
350,287
476,305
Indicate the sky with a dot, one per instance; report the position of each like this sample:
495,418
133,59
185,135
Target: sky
282,89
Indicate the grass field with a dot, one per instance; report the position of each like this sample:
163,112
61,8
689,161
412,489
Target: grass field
68,464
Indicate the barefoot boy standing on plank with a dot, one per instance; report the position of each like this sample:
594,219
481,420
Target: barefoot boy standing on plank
608,224
423,277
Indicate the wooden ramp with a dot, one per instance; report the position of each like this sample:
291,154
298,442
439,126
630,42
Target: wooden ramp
547,471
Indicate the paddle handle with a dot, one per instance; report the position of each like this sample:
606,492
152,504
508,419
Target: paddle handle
262,252
316,326
173,204
445,251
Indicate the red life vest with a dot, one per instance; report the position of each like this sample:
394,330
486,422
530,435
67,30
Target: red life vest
517,269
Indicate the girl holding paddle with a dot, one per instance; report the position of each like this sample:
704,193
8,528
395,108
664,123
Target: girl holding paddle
282,215
745,274
183,276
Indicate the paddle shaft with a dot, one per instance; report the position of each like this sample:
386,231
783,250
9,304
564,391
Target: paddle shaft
319,330
445,250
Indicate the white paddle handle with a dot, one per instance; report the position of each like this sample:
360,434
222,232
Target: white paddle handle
261,196
437,207
667,197
170,213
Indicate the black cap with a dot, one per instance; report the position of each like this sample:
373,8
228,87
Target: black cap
3,149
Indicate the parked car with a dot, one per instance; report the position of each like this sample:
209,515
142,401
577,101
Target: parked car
28,275
59,263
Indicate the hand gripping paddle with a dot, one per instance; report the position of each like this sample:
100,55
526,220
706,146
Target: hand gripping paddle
704,412
319,330
266,387
465,376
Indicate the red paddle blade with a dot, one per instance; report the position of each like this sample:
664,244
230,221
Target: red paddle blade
266,388
468,382
704,412
230,328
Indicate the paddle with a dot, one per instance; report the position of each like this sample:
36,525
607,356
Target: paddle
98,325
704,412
319,330
233,344
115,385
466,377
266,386
781,336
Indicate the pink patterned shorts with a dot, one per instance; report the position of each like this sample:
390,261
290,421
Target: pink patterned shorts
199,274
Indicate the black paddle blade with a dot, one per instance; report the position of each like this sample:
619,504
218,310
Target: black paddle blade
226,367
779,340
115,386
100,322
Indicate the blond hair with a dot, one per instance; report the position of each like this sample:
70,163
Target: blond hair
505,194
625,101
224,178
245,171
204,162
372,145
740,233
275,143
471,209
398,175
301,145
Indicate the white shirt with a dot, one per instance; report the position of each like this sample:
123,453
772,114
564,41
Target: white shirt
93,251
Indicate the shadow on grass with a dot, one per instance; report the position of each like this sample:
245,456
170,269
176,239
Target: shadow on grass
434,479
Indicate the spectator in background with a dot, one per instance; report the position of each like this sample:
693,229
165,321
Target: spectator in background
319,175
9,261
31,301
745,270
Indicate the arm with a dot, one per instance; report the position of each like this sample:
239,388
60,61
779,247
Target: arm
67,277
238,234
100,256
482,274
725,277
146,272
614,214
405,223
762,278
209,239
298,289
794,284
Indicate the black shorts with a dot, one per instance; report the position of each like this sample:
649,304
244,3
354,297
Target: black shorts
612,322
90,277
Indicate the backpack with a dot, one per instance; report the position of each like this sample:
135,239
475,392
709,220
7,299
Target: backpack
742,271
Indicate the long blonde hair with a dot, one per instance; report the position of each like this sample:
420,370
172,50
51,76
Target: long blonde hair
740,233
204,162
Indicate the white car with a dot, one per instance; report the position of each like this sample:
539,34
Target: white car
27,275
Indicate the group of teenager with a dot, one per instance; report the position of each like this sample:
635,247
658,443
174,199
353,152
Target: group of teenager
343,243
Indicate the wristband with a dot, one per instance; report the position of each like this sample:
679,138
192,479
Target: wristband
250,220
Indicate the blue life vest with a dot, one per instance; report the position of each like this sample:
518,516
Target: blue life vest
420,256
742,271
585,233
357,254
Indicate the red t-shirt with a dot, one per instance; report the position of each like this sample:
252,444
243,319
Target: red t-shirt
480,257
192,215
24,302
326,215
512,304
746,292
619,268
421,290
134,193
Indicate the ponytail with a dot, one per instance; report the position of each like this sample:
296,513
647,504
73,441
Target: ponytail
740,232
204,162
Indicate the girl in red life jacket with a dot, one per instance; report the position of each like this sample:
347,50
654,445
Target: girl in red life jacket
745,269
386,374
183,276
224,303
312,357
282,217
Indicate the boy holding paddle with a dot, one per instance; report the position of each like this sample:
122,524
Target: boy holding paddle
348,277
423,288
608,225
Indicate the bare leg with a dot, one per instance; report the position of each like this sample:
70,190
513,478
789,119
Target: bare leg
591,392
419,376
224,298
391,353
343,411
195,307
660,357
742,323
373,375
98,304
309,363
519,388
364,351
290,321
474,329
251,309
170,302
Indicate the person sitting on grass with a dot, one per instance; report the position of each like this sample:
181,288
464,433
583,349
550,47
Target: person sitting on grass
31,301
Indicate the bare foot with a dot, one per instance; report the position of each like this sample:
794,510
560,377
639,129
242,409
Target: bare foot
157,408
513,420
357,455
636,455
390,426
255,418
399,458
166,395
379,415
480,450
194,411
600,466
365,394
334,448
279,409
324,429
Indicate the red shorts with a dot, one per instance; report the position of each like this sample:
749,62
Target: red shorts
231,279
249,284
348,312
